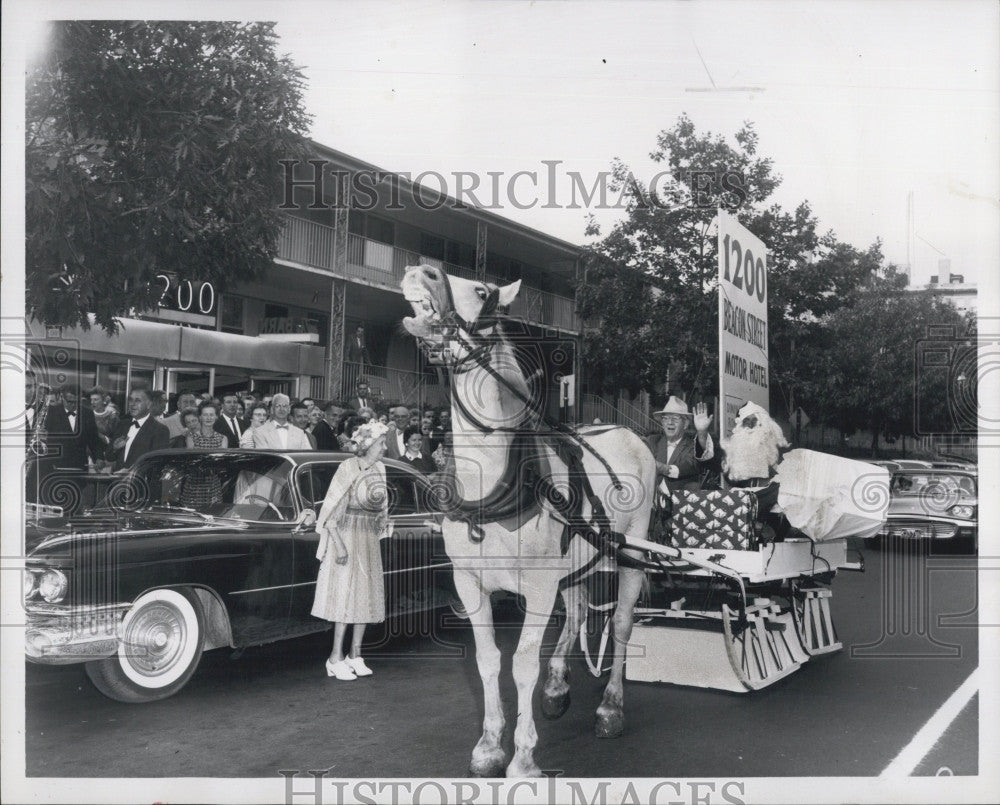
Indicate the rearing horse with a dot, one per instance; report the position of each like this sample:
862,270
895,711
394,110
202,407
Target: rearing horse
529,552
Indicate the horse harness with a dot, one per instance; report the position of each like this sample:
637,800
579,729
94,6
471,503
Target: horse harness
527,481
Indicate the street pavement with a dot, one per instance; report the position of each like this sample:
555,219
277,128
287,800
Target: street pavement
907,624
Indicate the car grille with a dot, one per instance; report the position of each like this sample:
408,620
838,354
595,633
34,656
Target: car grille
922,529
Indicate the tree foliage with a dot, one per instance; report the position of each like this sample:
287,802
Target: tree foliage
882,364
667,242
153,147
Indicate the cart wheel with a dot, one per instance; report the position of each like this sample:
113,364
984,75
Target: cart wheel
595,635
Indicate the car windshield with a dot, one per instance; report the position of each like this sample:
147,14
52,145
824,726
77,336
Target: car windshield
917,483
240,487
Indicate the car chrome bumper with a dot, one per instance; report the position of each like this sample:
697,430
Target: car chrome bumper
908,528
62,635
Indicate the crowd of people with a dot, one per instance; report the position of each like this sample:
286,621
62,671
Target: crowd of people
68,430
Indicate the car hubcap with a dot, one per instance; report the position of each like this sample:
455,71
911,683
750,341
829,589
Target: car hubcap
155,639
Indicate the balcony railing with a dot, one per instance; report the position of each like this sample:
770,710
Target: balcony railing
619,412
380,264
393,385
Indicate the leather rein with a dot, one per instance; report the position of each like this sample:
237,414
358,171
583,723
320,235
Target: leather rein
468,333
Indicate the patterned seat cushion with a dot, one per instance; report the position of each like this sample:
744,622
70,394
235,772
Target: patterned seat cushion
713,518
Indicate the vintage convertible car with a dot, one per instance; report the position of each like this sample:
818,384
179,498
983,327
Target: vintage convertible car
934,504
195,550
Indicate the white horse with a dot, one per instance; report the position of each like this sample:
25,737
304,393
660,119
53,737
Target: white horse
453,321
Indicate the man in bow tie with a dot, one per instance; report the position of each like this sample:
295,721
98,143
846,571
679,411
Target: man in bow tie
73,430
677,452
139,435
278,433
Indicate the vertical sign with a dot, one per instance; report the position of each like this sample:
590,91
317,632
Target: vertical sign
743,353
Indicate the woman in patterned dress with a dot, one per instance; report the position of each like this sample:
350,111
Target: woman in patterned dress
353,519
202,487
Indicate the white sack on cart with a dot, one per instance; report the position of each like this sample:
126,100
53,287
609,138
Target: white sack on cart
829,497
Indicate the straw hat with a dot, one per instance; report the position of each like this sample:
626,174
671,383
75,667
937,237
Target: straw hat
674,405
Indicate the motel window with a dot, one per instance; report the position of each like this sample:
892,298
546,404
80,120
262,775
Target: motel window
460,254
356,223
379,229
371,227
431,246
232,314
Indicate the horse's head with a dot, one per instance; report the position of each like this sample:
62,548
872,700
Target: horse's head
444,304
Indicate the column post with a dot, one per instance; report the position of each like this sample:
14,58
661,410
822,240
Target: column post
481,251
338,306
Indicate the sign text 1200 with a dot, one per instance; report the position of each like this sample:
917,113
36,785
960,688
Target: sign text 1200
750,274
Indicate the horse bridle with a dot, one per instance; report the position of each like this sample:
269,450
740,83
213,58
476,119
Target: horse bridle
468,333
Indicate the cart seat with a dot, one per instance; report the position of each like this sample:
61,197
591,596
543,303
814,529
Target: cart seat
710,518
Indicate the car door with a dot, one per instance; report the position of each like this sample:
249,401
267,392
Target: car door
417,570
311,480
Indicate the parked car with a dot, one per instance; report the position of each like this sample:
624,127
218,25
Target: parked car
935,504
139,586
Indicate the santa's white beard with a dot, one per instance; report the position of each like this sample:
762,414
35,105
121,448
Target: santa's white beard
751,452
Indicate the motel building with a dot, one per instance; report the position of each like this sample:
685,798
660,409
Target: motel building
339,265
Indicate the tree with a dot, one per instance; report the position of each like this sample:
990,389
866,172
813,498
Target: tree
667,241
866,372
153,147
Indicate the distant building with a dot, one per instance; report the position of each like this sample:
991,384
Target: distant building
954,288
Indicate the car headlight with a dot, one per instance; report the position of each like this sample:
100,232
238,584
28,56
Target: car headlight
52,586
30,583
965,512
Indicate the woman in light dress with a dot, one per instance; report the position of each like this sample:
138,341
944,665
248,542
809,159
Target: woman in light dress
354,517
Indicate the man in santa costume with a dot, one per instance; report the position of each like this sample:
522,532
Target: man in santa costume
750,456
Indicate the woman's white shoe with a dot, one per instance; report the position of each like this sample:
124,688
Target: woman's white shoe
357,664
341,670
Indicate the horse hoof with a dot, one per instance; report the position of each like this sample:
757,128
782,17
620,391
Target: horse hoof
554,707
610,725
493,765
519,770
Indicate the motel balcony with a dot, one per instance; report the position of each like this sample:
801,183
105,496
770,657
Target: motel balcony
381,265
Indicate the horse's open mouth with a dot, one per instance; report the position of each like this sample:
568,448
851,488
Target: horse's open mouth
426,319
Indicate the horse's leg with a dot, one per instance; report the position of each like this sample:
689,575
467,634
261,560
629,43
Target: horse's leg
610,716
488,757
555,694
538,603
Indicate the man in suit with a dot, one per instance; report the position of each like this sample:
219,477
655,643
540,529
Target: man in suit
325,431
35,401
357,348
395,439
139,435
363,397
174,422
677,452
299,417
73,431
229,423
278,433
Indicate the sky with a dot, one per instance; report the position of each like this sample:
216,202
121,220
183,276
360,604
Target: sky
858,104
861,105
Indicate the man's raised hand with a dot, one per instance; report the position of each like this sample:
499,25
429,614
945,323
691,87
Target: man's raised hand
702,419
